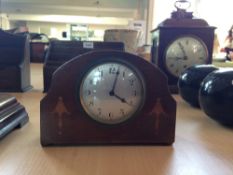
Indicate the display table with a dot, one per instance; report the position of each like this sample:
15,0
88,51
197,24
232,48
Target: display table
223,64
201,147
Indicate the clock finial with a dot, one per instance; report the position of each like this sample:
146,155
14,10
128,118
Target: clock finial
182,6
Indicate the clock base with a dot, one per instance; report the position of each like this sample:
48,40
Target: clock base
49,143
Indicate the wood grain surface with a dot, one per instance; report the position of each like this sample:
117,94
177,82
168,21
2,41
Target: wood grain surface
201,147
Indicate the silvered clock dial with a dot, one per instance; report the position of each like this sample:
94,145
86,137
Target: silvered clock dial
184,52
112,92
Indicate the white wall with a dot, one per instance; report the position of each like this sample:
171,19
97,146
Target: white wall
163,9
5,24
53,30
218,14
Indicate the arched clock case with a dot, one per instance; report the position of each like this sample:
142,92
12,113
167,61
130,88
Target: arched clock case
108,97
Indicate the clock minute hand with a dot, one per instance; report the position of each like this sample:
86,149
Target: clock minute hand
183,51
111,93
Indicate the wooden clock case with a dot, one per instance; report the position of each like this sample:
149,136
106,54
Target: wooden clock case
64,121
60,52
180,24
14,62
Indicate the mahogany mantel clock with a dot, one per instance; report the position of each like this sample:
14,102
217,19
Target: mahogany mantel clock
108,97
180,42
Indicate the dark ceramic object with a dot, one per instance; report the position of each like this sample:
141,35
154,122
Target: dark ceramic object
216,96
190,80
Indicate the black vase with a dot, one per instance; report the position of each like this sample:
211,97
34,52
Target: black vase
190,80
216,96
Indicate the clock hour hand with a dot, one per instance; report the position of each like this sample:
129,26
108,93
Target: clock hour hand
179,58
120,98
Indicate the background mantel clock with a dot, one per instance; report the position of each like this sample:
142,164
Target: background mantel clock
180,42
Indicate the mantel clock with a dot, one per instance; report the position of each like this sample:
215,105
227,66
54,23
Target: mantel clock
180,42
108,97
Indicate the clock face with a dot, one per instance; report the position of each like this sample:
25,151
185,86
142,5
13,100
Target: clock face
112,92
184,52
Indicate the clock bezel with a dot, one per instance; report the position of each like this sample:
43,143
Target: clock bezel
184,36
106,60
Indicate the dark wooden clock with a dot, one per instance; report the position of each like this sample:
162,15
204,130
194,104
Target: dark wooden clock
180,42
108,97
12,114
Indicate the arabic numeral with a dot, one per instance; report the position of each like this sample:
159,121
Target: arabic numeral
131,82
123,74
88,92
91,103
131,102
91,82
135,93
112,70
122,111
99,111
101,73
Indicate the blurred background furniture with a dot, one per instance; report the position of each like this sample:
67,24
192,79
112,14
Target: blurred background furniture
38,46
14,62
60,52
129,37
